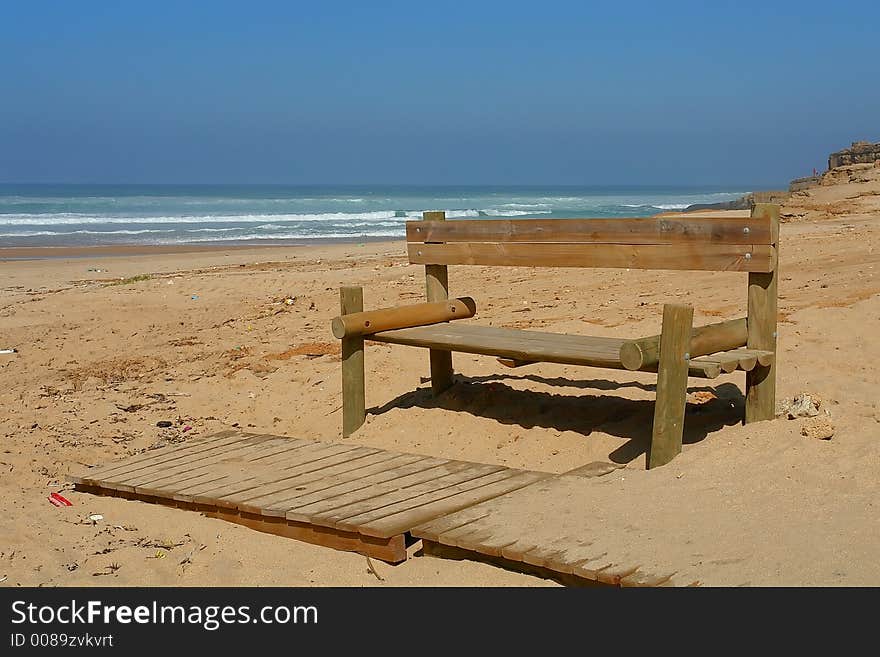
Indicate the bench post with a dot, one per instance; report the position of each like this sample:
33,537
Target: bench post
672,374
437,284
351,300
761,381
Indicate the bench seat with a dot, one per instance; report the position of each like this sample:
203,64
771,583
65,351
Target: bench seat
543,347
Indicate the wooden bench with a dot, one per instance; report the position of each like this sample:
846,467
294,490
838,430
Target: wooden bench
680,243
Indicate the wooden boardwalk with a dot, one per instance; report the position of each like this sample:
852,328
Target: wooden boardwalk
342,496
380,503
553,527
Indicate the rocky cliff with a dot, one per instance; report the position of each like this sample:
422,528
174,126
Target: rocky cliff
861,152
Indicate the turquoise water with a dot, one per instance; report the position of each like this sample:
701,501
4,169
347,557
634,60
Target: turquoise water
56,215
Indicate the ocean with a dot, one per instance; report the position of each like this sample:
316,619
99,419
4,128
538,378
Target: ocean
83,215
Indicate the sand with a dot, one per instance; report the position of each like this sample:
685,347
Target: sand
207,338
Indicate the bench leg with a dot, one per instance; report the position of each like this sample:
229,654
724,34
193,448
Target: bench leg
441,371
672,373
351,300
761,381
437,287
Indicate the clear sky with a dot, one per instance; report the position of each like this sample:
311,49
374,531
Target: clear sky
540,92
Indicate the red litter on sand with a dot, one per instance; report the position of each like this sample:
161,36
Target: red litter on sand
58,500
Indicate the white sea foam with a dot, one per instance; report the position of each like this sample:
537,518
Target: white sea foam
292,236
44,233
514,213
524,206
74,218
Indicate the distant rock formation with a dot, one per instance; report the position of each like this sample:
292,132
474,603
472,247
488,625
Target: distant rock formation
746,202
798,184
856,156
861,152
742,203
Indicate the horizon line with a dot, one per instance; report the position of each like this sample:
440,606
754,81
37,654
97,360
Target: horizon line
350,184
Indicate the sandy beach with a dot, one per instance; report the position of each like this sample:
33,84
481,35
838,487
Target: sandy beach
109,343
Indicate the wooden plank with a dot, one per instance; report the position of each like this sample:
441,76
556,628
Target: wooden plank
452,526
389,520
225,472
709,339
375,503
511,343
614,573
470,533
170,459
642,579
564,552
762,317
555,555
387,319
747,362
740,359
471,528
532,346
303,506
327,483
708,257
638,230
488,543
391,549
218,466
234,491
368,489
726,360
437,289
171,452
516,550
440,503
763,357
351,300
316,451
235,452
671,385
190,445
291,476
332,485
703,370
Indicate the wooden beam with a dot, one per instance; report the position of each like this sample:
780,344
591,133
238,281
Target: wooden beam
684,256
351,300
437,287
640,230
386,319
671,385
762,317
721,336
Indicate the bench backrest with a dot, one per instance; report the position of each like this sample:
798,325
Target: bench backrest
688,243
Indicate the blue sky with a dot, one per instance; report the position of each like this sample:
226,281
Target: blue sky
547,92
